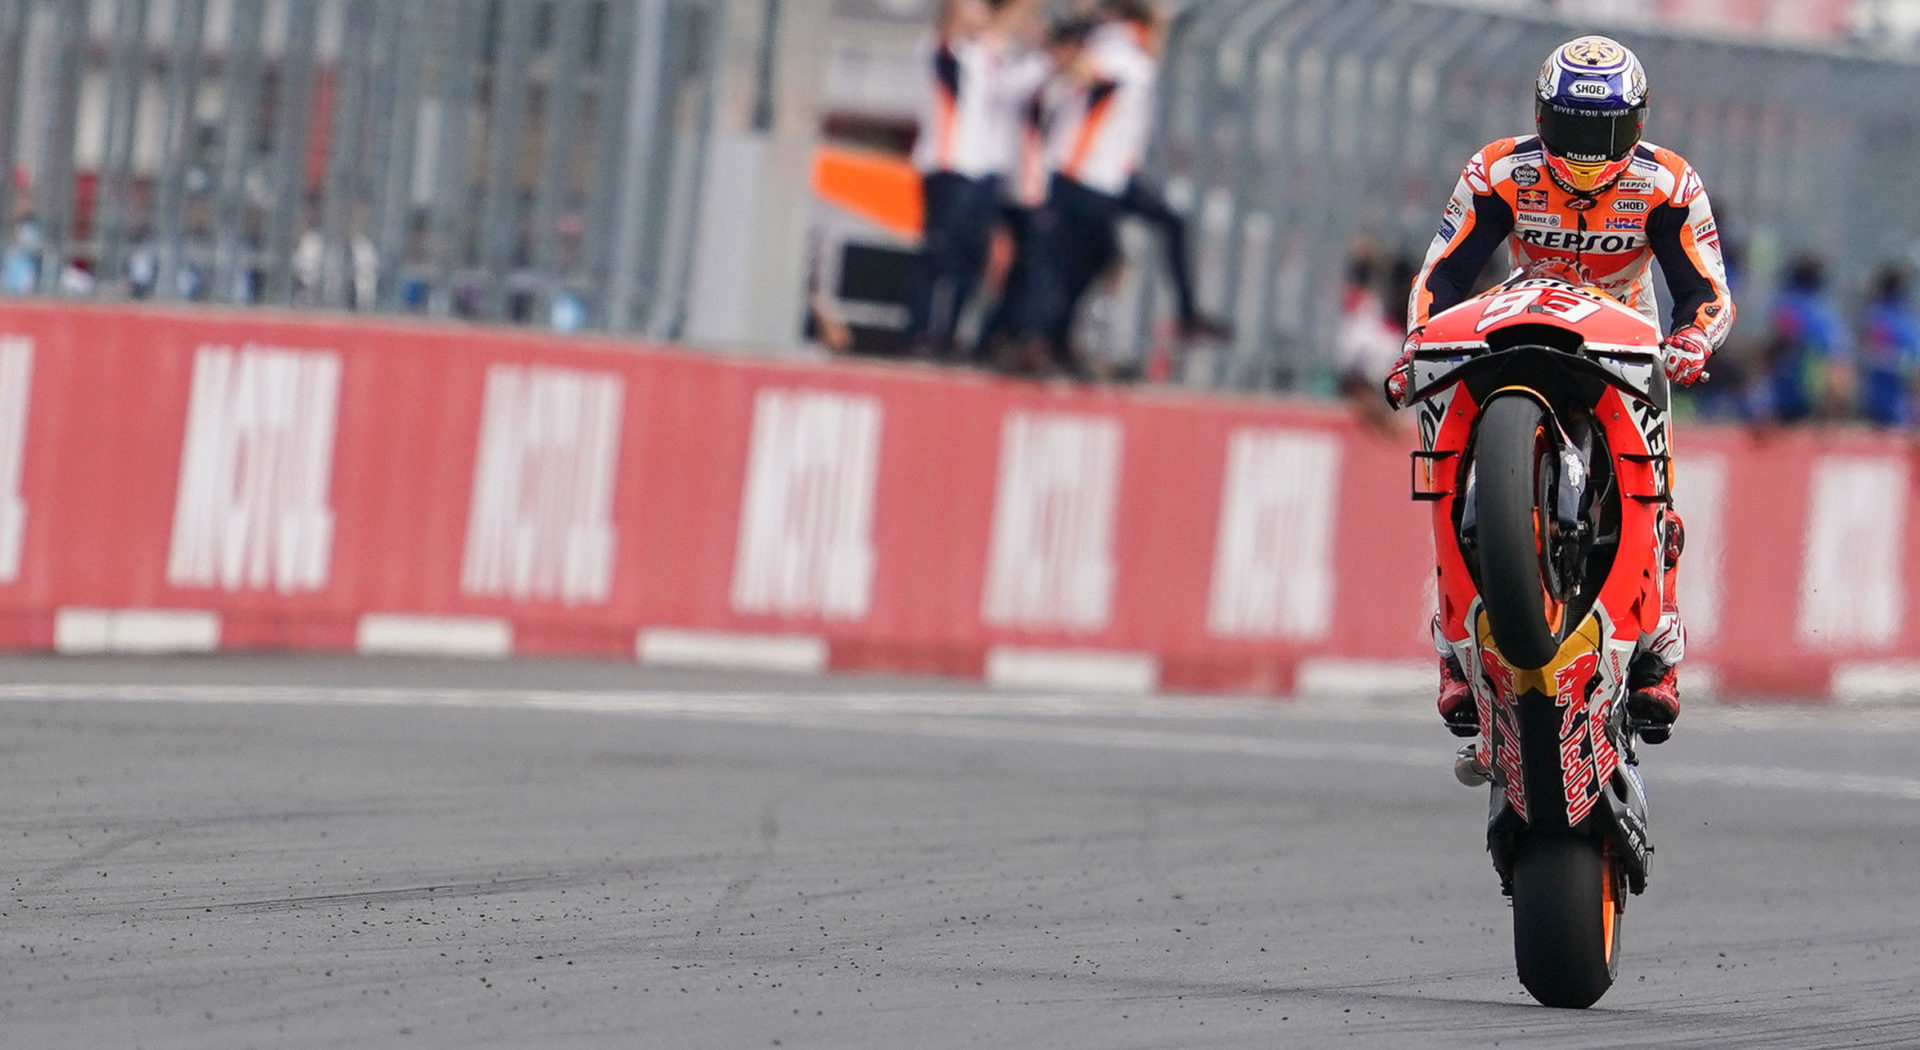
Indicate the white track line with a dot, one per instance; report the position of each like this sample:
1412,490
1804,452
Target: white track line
971,716
664,702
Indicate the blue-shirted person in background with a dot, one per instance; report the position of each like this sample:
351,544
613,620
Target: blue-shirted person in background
1889,351
1807,354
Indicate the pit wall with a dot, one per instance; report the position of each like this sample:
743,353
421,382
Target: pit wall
180,481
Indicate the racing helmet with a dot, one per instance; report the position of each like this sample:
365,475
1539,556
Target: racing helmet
1590,106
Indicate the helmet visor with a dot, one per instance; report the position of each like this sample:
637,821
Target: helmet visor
1594,137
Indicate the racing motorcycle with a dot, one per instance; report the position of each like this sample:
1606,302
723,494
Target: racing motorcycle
1543,452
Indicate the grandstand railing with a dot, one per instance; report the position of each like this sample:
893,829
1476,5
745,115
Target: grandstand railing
1291,128
532,160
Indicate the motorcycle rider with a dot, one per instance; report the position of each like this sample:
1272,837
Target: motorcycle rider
1586,195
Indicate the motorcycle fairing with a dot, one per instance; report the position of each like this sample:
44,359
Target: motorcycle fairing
1632,430
1446,424
1585,784
1600,319
1434,477
1584,683
1611,338
1635,433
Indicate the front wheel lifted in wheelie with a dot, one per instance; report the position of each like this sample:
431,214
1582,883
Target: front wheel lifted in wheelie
1513,468
1567,906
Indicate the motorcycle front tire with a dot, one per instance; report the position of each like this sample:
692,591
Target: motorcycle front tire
1513,460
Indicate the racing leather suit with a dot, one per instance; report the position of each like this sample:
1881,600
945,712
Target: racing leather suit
1657,210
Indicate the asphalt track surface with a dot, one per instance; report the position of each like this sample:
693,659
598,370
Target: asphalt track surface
321,852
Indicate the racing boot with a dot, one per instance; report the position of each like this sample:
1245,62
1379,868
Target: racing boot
1653,697
1653,686
1457,708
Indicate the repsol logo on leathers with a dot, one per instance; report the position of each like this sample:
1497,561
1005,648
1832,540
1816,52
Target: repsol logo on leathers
1575,241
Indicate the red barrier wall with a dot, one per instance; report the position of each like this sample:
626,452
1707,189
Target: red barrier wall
289,483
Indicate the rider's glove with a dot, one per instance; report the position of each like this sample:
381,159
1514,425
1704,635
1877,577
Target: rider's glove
1687,350
1395,386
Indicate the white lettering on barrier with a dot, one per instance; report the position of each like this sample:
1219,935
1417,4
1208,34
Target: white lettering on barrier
1050,563
540,525
806,518
16,386
256,468
1852,583
1273,574
1700,496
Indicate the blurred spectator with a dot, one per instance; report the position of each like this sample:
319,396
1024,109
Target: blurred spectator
199,246
416,288
20,259
20,266
240,240
960,152
1889,351
1012,333
569,311
1082,132
1095,149
76,278
1144,200
1809,374
143,264
1371,332
321,271
140,270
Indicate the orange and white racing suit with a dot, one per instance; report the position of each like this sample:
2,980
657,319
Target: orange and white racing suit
1657,210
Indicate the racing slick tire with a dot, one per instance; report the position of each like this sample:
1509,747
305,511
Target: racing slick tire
1514,460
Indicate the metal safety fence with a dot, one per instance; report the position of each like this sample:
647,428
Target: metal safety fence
1291,129
530,160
